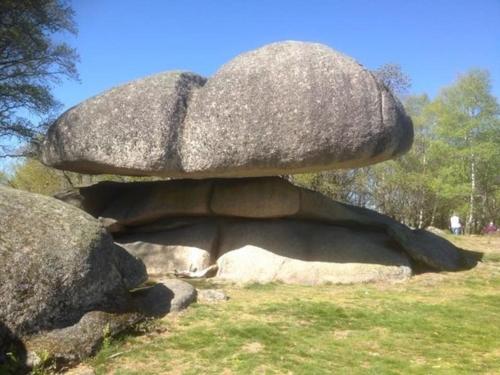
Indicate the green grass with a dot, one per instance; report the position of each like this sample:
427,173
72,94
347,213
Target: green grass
446,323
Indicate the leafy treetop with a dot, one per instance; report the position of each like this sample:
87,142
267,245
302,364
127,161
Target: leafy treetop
31,62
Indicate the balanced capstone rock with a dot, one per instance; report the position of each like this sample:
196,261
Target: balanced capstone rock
284,108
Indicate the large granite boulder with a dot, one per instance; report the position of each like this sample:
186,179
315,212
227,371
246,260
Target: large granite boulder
250,250
284,108
186,239
291,107
133,129
56,264
287,250
301,252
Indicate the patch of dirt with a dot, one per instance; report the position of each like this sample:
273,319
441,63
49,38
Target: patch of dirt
253,347
341,334
429,278
81,369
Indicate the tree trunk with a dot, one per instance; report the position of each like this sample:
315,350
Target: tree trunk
470,219
421,218
433,216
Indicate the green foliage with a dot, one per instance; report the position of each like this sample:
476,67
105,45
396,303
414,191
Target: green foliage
33,176
31,62
106,337
3,178
10,363
46,365
468,147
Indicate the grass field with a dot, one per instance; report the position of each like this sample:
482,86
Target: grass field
446,323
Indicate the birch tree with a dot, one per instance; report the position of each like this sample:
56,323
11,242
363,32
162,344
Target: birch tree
468,126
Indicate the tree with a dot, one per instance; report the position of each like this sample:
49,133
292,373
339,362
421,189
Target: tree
3,178
31,62
394,78
468,127
31,175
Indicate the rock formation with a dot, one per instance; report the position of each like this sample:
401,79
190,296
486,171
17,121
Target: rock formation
57,263
284,108
61,273
290,234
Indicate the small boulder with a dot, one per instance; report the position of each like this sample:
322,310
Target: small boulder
184,293
167,295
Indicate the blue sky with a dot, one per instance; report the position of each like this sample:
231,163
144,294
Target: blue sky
433,41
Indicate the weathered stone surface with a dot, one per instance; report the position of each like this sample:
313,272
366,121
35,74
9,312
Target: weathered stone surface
184,293
167,295
284,108
184,246
264,198
133,129
132,269
291,107
56,263
420,245
119,205
291,251
255,198
94,198
71,344
140,203
300,252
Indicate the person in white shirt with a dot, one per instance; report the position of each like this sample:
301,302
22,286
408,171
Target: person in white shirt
455,224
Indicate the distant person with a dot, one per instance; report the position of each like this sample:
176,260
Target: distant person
490,228
455,225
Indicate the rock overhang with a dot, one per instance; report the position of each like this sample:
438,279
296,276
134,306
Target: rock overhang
179,217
